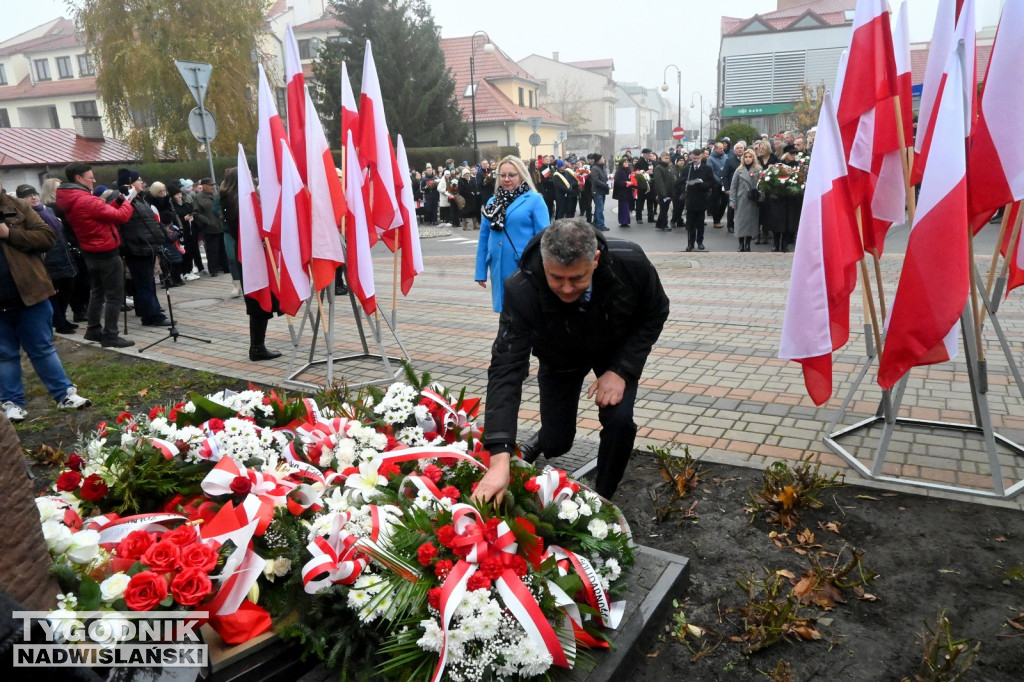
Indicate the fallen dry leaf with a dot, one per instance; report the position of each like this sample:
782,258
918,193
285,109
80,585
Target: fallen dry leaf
867,497
889,494
807,632
1016,623
805,537
831,525
694,630
786,574
654,654
787,497
143,392
1000,539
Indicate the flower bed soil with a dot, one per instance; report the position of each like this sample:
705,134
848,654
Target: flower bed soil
930,554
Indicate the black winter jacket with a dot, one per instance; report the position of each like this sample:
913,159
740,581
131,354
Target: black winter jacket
142,234
614,331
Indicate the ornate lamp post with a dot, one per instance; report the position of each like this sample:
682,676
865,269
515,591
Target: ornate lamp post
679,89
488,49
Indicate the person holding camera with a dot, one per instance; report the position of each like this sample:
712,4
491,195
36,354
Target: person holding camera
744,197
26,315
60,265
94,222
142,238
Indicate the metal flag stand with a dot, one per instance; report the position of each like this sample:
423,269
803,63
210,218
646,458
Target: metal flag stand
891,401
390,371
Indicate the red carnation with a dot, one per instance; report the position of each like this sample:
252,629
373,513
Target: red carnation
146,590
433,472
93,488
388,469
442,568
491,530
184,534
446,535
447,461
462,550
491,567
162,557
434,598
215,424
198,555
123,416
101,429
478,582
182,446
191,586
135,544
156,412
451,492
426,553
519,566
68,481
532,485
75,462
391,444
240,485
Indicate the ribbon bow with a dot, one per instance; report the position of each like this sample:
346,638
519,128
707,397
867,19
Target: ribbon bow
336,558
265,487
552,486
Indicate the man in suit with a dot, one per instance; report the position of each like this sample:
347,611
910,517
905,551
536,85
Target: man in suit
699,180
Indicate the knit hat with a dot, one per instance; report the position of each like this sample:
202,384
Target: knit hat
206,181
126,176
173,187
429,166
186,183
25,191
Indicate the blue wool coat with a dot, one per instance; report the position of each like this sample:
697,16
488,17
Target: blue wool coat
500,251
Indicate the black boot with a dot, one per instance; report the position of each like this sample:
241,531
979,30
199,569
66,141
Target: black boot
742,246
776,242
257,340
746,243
530,450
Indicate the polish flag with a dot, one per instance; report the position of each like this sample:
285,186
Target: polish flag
935,281
1015,263
268,162
360,262
349,108
901,51
412,255
295,232
817,320
295,82
868,123
995,171
938,54
328,201
375,149
251,254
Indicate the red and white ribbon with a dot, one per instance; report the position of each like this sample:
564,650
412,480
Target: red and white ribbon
594,594
554,486
336,558
114,528
243,567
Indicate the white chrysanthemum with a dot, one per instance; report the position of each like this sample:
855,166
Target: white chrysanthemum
598,528
326,459
585,509
127,439
423,500
568,511
431,639
321,525
357,599
412,436
613,568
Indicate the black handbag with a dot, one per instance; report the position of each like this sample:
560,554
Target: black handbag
754,194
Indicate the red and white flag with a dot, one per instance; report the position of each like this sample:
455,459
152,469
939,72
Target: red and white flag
995,170
375,149
295,232
817,320
256,280
935,280
938,53
328,202
359,262
268,162
295,82
869,125
349,109
904,73
412,255
1015,262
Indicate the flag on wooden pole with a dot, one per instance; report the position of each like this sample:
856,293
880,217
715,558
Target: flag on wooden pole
295,232
295,89
412,255
256,280
359,262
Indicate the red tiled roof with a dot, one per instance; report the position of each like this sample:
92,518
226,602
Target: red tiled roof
832,12
491,103
55,88
61,35
919,61
593,64
57,146
326,21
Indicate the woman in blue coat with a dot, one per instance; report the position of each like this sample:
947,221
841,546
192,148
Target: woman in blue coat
511,218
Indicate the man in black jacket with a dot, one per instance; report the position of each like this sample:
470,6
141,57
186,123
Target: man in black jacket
699,181
579,303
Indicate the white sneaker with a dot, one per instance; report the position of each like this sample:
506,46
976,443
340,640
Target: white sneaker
73,401
16,413
236,289
190,277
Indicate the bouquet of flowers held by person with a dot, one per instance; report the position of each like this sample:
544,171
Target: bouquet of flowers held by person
784,180
348,524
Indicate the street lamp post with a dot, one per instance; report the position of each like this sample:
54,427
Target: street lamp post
700,116
488,49
679,90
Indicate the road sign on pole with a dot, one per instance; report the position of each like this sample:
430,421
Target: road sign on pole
203,125
197,78
678,133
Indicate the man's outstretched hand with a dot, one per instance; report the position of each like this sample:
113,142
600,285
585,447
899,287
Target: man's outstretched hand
493,485
607,390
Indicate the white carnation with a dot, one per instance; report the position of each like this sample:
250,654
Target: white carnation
598,528
568,511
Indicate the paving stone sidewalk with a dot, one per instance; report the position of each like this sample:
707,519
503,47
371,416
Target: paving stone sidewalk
713,383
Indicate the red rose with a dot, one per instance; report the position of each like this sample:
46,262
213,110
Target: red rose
519,566
184,534
426,553
434,598
215,425
75,462
146,590
241,485
190,586
68,481
443,568
433,472
478,582
446,535
156,412
491,567
162,557
451,492
93,488
198,555
135,544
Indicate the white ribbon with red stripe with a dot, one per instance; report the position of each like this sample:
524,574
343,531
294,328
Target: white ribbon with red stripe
243,567
555,486
596,596
336,558
114,528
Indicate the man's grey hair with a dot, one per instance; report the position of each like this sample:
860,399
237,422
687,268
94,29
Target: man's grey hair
568,240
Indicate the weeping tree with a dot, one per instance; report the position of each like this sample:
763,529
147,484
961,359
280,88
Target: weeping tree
134,44
418,89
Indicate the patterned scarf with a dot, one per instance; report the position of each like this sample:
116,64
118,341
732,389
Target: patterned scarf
503,198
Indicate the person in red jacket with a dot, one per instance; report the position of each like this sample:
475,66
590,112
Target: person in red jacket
94,222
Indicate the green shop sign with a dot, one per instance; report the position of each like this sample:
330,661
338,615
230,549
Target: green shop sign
756,110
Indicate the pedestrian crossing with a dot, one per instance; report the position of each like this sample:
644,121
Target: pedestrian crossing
461,240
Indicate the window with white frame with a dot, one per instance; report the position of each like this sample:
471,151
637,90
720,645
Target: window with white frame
42,67
64,68
86,66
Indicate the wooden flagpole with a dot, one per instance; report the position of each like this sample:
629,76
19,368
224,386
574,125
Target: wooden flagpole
869,301
995,252
1010,251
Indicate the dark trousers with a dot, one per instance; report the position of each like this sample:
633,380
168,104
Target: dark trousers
193,258
694,227
666,207
559,407
650,201
216,261
677,212
625,209
562,207
587,207
60,300
106,292
147,306
718,204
